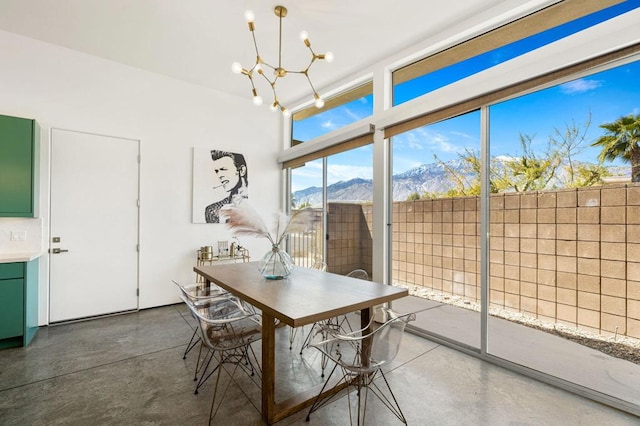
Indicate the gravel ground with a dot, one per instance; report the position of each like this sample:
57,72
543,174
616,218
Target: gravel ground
622,347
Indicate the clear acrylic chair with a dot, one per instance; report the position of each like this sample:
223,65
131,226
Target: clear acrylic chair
228,335
339,324
212,299
359,273
195,292
360,356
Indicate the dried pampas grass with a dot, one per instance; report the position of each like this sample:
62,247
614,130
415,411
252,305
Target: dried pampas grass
245,220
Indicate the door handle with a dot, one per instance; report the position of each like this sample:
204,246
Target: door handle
57,251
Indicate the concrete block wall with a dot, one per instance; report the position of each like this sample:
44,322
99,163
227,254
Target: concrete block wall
436,244
570,256
349,244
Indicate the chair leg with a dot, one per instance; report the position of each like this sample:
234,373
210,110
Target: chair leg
191,343
307,340
318,402
341,324
292,336
213,413
369,383
198,366
391,404
204,376
338,325
236,359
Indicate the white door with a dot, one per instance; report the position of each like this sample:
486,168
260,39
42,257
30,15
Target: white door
94,225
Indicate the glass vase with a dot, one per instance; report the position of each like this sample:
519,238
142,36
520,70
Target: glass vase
275,264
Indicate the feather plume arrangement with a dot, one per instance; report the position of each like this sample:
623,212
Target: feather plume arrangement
243,219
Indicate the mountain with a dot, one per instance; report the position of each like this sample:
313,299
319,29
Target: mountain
353,190
432,177
425,178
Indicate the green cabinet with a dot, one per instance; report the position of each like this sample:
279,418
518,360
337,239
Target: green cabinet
18,166
18,303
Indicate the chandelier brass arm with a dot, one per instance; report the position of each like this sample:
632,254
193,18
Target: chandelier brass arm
278,71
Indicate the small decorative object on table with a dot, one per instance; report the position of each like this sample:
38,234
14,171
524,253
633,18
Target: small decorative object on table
244,220
275,264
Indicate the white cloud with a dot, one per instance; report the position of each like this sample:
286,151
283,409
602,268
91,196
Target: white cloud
422,138
352,114
311,170
466,136
328,125
580,86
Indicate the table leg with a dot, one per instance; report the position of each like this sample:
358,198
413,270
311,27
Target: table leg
365,318
268,368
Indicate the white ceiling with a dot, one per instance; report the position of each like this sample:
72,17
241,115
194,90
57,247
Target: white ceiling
197,40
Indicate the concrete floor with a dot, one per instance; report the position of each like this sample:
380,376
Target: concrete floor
128,370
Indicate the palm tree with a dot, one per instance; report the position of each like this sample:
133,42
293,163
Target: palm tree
622,140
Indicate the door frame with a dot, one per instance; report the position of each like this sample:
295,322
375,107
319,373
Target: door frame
45,267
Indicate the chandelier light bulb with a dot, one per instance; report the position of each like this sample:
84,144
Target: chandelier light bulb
328,57
319,102
273,107
249,16
286,112
236,68
257,99
304,36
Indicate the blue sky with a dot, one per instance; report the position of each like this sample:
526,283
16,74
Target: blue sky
606,96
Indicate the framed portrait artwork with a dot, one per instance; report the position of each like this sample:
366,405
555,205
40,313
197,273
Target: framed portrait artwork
219,178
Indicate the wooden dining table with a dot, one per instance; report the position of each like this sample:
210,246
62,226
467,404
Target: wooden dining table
304,297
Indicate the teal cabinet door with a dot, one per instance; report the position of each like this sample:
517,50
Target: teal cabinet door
18,303
18,153
11,308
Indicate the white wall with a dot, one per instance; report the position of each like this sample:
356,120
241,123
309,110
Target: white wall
62,88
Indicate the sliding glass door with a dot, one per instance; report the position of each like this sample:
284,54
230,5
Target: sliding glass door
435,253
563,252
564,242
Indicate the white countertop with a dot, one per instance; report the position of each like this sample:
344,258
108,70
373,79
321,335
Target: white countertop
18,257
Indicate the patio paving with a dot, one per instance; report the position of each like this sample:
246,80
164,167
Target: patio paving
531,348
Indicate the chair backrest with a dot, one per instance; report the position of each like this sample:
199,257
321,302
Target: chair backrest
319,265
199,291
223,323
387,338
359,273
383,343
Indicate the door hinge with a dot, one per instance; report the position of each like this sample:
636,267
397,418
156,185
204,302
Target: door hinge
139,159
137,292
138,203
138,248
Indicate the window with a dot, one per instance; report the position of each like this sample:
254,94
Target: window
508,42
338,112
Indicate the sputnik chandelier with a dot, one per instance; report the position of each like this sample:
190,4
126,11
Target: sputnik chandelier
277,71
